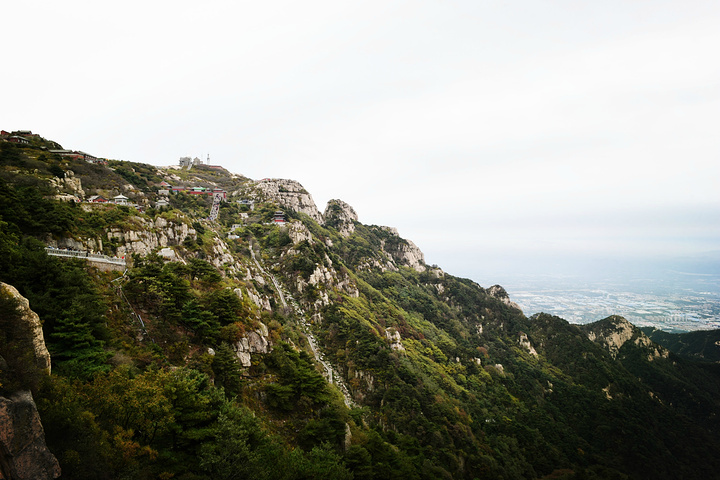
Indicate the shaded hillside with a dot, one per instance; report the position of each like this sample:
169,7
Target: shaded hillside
310,345
701,345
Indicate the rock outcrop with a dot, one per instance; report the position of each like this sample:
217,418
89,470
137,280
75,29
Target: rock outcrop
82,244
501,294
253,342
340,216
615,331
299,233
69,187
23,453
395,340
291,195
27,334
403,252
524,342
149,235
613,335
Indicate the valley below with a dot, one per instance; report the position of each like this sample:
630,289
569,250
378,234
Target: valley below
672,301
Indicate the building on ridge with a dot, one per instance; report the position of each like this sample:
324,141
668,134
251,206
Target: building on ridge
279,218
120,200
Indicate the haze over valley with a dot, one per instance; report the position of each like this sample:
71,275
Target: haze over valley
678,302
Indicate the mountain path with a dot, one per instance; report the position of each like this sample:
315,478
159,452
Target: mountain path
330,372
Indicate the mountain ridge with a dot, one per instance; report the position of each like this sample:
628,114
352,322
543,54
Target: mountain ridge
307,342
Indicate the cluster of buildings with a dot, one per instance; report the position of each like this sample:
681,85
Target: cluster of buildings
163,195
23,137
78,155
279,219
199,191
116,200
18,136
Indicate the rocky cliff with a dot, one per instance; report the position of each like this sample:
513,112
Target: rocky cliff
68,188
340,216
501,294
289,194
149,235
615,332
25,332
321,330
403,252
23,453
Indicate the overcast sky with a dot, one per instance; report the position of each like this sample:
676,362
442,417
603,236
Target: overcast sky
498,136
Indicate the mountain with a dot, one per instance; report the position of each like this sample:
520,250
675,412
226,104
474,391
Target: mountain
209,325
700,345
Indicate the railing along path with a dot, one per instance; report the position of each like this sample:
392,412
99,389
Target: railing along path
95,257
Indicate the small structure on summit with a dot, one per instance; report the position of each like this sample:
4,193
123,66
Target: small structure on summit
189,162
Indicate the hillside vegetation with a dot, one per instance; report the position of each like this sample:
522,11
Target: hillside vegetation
317,348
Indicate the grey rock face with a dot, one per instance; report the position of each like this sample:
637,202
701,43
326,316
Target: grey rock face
27,333
499,292
340,216
253,342
23,453
148,236
290,194
404,252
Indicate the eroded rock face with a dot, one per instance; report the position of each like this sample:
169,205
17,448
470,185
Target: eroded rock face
328,279
23,453
290,194
395,340
253,342
404,252
524,342
28,332
410,255
614,338
70,185
340,216
262,302
499,292
92,244
22,441
616,331
149,236
299,233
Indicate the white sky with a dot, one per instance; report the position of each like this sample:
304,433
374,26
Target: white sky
495,135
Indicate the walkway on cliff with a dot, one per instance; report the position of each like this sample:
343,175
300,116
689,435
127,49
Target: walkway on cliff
92,257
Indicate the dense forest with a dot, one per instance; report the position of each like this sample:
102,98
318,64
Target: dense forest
305,349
